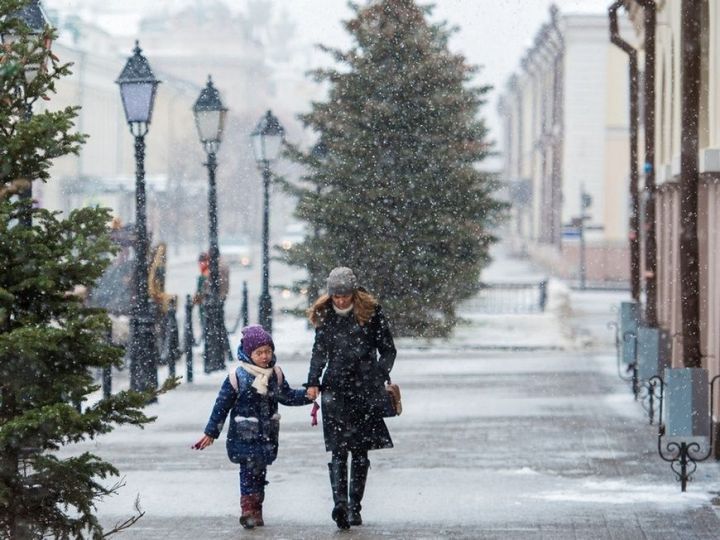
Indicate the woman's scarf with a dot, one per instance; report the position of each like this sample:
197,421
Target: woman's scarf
262,377
343,312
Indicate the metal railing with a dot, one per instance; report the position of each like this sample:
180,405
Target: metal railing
168,346
506,298
171,348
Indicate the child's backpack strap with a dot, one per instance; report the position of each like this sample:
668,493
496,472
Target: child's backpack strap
279,374
235,383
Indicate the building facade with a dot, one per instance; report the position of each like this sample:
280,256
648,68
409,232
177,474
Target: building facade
103,172
565,124
669,120
254,65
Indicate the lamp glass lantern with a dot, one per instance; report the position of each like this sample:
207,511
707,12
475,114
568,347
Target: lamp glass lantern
210,117
267,138
137,88
34,17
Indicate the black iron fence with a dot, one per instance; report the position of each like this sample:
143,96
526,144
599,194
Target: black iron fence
170,346
505,298
167,345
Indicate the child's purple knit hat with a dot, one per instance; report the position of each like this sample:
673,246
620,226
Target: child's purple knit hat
253,337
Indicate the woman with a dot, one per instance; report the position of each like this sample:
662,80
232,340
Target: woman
350,331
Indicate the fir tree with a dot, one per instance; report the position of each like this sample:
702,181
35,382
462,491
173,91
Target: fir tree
396,194
49,341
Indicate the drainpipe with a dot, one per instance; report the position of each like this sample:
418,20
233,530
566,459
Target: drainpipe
690,103
651,316
633,236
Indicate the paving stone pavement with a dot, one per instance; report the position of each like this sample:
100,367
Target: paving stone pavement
491,445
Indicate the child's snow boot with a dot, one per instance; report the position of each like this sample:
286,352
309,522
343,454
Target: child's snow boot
339,484
358,476
247,508
258,510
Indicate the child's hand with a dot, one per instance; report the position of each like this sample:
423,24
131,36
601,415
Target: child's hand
203,443
312,392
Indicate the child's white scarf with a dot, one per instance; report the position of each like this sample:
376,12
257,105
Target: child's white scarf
262,376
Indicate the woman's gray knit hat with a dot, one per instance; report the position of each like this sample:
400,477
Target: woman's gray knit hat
341,281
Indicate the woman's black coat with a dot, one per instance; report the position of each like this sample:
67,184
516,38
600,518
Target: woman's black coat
353,379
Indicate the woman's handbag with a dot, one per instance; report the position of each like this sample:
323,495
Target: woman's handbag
382,396
393,403
393,391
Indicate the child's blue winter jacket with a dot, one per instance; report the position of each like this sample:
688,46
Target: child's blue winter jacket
254,422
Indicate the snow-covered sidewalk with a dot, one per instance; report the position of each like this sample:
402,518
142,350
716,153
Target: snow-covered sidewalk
540,442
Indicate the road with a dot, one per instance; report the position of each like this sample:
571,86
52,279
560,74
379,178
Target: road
181,278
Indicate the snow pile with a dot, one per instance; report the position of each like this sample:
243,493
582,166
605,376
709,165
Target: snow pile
508,331
616,492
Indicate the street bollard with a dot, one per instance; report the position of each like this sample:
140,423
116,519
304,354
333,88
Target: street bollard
188,338
107,381
107,373
543,294
243,314
244,310
172,337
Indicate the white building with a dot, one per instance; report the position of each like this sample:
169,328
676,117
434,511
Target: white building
566,134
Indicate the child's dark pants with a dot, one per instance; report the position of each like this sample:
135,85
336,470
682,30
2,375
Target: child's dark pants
252,476
252,492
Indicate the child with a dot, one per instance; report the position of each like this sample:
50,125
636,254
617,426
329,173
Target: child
252,392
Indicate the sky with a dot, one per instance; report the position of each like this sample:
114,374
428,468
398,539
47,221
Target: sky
492,34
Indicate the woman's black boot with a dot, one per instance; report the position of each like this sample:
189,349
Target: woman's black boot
358,477
339,484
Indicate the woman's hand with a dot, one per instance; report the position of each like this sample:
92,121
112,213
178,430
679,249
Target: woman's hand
204,442
312,392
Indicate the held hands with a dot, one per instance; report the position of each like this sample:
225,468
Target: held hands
203,443
312,392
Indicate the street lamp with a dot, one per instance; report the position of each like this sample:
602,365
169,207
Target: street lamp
267,138
210,120
137,89
33,16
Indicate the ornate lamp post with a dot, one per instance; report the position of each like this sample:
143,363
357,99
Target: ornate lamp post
137,89
267,139
33,16
210,120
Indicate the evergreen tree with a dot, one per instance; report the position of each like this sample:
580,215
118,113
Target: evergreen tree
49,341
396,194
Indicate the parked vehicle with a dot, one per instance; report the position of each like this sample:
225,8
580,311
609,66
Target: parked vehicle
236,251
294,234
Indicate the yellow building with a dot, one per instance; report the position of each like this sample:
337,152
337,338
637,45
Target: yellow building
103,172
566,151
